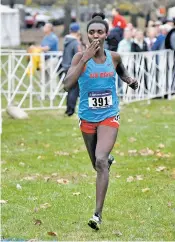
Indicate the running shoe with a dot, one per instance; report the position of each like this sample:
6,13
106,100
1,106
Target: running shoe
110,161
95,222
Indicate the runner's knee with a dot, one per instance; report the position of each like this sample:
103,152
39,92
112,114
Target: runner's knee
101,163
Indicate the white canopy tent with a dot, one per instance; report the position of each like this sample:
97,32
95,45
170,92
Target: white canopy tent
10,27
171,12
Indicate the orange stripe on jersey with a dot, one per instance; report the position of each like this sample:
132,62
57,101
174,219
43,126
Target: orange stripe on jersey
84,68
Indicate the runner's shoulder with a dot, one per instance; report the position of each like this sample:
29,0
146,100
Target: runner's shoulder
116,56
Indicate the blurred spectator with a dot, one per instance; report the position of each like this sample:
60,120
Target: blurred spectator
151,37
150,23
157,25
170,44
35,59
170,40
139,44
50,40
134,31
82,42
170,22
118,20
50,44
125,44
114,37
130,26
72,44
160,41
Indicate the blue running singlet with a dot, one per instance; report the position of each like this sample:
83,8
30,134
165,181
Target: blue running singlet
98,97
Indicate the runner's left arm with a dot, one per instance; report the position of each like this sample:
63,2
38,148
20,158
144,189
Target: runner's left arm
123,73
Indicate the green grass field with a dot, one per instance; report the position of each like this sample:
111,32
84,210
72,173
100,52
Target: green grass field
48,184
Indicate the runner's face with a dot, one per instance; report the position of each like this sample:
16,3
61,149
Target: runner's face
97,31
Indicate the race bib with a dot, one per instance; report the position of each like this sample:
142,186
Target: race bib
101,99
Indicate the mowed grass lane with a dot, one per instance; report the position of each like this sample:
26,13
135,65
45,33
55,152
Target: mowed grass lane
48,184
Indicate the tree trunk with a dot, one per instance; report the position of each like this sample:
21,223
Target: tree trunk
148,17
134,19
67,19
12,2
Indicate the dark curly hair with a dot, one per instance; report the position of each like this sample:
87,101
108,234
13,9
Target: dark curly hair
98,18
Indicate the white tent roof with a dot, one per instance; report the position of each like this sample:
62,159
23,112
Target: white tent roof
171,12
10,27
4,9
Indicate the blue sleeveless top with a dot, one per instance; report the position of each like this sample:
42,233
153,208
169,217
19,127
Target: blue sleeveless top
98,97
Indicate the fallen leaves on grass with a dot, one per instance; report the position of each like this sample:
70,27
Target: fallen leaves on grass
130,179
46,178
76,193
37,222
40,157
61,153
32,198
161,146
52,233
167,155
45,206
160,168
19,187
173,173
5,169
46,145
132,139
117,233
169,204
118,176
147,189
132,152
54,174
76,151
3,201
119,153
29,178
139,177
62,181
162,155
83,175
36,210
146,152
136,178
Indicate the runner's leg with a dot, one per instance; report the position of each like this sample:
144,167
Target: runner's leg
106,137
90,142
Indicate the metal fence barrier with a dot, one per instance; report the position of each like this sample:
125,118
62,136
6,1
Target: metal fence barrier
35,82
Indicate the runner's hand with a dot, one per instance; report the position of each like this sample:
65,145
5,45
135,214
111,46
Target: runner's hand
91,50
133,83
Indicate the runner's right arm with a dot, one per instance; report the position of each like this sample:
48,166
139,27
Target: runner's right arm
74,71
78,62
